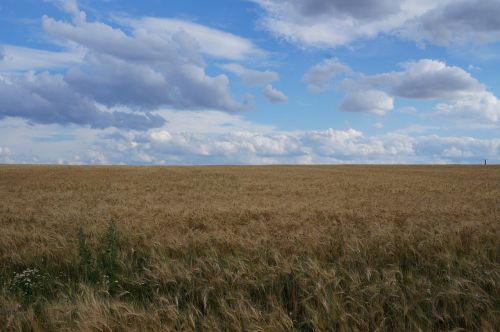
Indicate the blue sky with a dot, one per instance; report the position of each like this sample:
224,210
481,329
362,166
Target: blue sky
249,82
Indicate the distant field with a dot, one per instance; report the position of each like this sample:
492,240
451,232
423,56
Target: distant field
281,248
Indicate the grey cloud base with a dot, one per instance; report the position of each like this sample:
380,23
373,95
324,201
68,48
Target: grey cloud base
358,9
333,23
372,101
46,98
428,79
457,22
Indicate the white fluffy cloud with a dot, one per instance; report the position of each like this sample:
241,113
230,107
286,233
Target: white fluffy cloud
457,93
331,23
483,105
458,148
326,146
274,95
463,95
267,147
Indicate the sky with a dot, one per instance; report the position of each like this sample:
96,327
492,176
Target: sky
249,81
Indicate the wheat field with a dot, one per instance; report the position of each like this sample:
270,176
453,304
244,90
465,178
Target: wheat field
261,248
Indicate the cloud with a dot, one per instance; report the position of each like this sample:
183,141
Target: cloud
251,77
145,68
483,105
459,95
71,7
46,98
458,148
319,77
372,101
235,145
5,154
114,81
428,79
212,42
369,10
110,76
458,22
274,96
17,58
4,151
333,23
434,80
139,45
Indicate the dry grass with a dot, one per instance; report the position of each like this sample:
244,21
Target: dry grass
324,248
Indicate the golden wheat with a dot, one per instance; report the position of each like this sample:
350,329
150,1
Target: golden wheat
278,248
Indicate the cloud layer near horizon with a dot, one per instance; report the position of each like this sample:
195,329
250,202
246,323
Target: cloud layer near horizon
214,137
